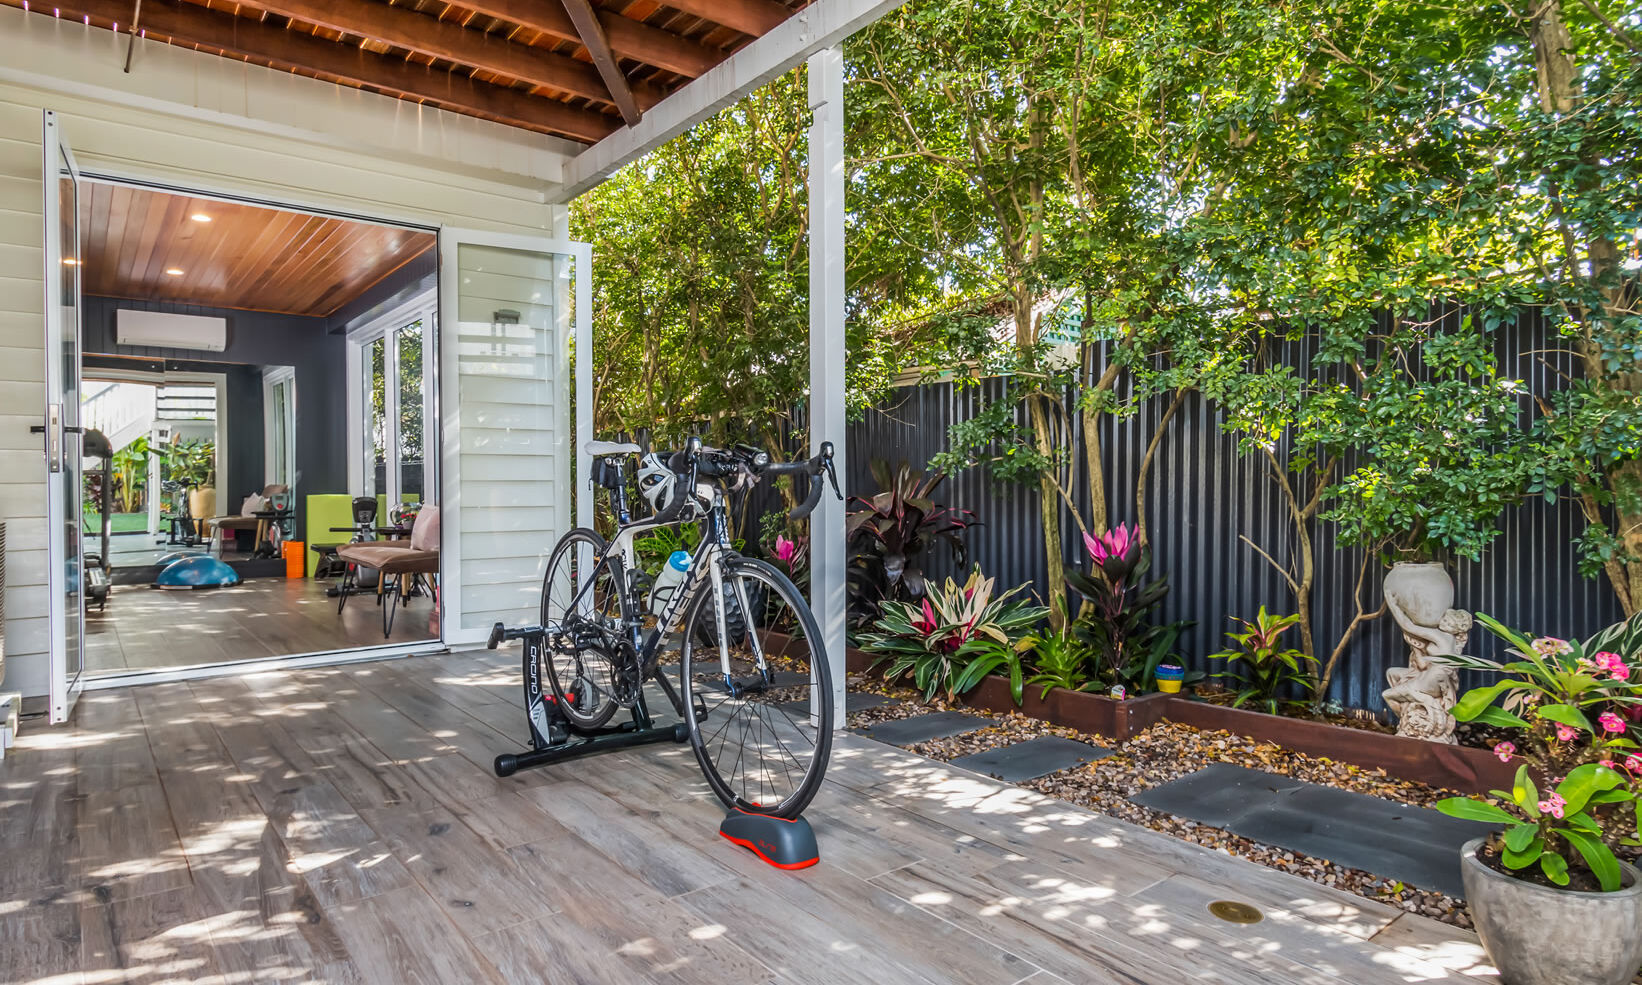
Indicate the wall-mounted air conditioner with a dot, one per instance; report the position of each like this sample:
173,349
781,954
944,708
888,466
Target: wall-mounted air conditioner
167,331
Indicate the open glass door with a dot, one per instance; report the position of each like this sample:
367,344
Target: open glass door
65,564
509,309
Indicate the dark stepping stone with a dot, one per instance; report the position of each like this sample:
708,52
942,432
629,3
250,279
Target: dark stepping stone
1414,845
1033,758
922,728
853,701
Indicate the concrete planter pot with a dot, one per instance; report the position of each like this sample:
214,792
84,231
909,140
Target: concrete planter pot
1540,936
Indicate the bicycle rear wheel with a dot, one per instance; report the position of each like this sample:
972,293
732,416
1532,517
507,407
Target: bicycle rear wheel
581,607
766,735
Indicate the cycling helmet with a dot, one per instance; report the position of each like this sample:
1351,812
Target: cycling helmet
656,481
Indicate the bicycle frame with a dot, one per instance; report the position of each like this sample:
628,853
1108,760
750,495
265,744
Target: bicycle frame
708,501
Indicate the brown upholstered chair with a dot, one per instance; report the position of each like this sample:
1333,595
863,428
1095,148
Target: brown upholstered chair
251,521
415,560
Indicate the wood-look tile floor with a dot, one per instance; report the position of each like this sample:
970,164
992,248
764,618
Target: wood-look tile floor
342,825
147,628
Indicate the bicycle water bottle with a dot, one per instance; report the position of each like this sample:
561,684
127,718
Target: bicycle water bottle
667,582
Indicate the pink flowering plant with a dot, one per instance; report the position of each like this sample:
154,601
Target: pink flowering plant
955,635
1116,624
1573,803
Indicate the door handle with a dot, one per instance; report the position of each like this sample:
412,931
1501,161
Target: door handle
53,429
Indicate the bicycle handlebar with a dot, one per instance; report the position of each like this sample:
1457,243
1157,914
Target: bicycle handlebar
695,460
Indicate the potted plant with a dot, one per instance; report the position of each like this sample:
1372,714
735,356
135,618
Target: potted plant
954,636
193,462
1551,900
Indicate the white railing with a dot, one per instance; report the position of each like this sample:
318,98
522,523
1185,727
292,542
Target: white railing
123,412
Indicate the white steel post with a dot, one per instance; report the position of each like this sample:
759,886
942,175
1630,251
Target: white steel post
827,555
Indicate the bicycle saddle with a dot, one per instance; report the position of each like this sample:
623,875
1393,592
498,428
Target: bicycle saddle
599,449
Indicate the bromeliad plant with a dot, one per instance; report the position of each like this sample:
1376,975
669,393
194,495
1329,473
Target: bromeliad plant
1116,623
1564,699
954,636
1060,659
1266,671
890,533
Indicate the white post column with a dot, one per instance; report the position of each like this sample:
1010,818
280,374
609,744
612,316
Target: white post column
827,554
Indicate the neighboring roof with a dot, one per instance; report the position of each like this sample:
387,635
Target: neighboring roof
579,69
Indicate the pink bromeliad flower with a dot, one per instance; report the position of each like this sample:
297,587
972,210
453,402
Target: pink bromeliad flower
1114,552
1611,722
1565,734
1505,750
785,549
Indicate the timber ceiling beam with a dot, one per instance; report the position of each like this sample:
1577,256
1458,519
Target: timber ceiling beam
430,36
598,48
755,17
628,38
187,25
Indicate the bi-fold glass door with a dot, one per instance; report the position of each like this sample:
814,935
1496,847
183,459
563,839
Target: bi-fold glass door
394,373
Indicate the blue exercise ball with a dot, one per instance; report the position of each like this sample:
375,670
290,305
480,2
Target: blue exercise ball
175,555
198,571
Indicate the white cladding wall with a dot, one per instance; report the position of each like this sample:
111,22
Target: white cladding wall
513,383
212,124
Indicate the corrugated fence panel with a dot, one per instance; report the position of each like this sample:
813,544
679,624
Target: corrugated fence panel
1204,497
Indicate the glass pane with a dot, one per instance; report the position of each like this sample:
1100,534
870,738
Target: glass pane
376,412
282,439
412,409
68,211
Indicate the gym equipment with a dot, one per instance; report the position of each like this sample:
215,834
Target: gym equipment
553,737
196,571
786,843
97,575
177,556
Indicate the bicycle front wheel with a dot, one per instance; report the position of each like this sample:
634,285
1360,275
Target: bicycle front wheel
757,690
581,606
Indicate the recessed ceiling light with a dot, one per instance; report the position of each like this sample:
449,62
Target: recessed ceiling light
174,271
200,217
69,261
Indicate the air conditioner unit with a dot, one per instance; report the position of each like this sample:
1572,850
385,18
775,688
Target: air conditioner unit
167,331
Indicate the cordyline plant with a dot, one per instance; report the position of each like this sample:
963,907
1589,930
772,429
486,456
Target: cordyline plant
1574,800
1269,668
954,636
1116,623
889,534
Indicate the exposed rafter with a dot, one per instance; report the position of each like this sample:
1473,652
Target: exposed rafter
628,38
598,48
755,17
198,26
410,30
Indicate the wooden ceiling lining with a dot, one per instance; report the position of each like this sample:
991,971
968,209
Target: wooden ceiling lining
245,257
574,68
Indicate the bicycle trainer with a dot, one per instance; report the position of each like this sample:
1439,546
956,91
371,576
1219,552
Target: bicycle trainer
552,738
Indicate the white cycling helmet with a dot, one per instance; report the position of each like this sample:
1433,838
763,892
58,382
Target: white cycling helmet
656,481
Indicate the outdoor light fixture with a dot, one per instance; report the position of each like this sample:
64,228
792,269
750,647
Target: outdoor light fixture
200,217
174,271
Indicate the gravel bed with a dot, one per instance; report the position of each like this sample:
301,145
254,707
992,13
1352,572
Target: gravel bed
1167,751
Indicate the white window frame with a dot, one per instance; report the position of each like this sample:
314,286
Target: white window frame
423,307
271,466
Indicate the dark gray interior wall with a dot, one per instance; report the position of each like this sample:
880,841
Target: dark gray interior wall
258,338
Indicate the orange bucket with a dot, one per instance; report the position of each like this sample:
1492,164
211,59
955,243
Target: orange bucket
295,552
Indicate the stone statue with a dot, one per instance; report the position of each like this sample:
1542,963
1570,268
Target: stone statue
1423,694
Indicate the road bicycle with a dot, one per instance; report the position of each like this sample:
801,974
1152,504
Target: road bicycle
754,684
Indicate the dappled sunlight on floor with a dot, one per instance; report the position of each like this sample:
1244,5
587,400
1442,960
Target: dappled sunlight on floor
342,825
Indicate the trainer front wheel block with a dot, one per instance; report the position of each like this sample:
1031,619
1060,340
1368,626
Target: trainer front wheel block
782,843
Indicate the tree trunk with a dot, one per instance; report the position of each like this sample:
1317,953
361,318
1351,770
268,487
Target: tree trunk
1559,93
1049,506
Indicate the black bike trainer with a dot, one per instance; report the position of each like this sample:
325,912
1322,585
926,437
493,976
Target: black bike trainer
785,844
553,739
